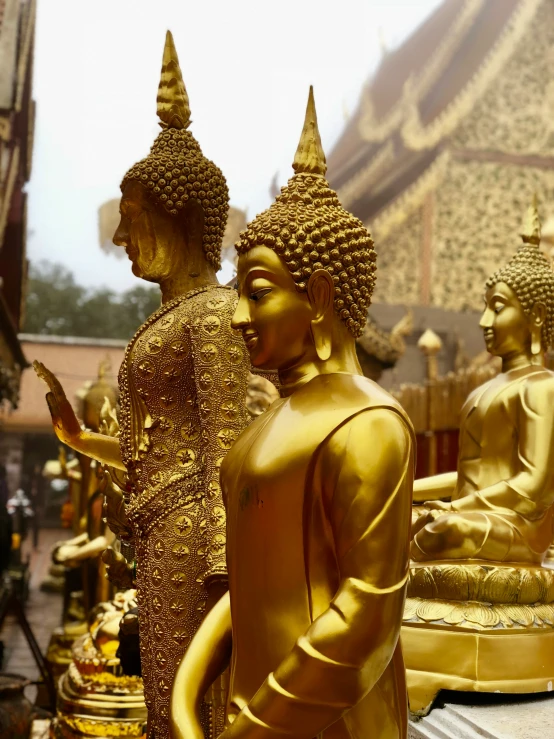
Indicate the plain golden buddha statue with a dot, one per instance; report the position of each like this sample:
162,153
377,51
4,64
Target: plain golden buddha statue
478,556
318,492
183,387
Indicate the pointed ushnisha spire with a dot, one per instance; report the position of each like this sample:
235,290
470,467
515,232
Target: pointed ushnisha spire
531,227
309,156
173,101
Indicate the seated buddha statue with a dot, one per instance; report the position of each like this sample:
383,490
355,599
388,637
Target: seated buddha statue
501,498
477,582
182,390
317,489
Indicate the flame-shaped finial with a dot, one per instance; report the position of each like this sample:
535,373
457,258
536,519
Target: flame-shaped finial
309,156
531,227
173,101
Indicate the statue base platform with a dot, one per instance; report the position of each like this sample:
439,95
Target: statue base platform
494,717
499,639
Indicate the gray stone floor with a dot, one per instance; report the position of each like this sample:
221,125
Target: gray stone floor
514,717
43,610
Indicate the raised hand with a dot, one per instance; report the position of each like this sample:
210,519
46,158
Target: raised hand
65,421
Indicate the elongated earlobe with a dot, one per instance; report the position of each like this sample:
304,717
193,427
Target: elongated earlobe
536,346
321,291
538,316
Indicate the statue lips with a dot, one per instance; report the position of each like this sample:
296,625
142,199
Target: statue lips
131,252
250,339
489,336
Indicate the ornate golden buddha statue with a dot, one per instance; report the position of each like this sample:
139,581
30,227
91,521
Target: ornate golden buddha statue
183,386
318,492
477,582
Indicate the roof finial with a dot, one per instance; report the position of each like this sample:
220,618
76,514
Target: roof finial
173,101
531,227
309,156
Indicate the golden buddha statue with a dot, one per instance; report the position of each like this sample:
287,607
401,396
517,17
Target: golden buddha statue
478,556
318,518
183,387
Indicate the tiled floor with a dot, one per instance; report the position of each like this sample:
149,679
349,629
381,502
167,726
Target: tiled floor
43,610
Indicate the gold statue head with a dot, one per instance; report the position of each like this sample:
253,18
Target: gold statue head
519,298
304,241
310,230
175,192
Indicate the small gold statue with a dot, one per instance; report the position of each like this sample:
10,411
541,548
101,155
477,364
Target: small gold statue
478,556
183,389
94,698
318,492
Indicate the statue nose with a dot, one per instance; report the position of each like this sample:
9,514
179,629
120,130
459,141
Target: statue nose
121,236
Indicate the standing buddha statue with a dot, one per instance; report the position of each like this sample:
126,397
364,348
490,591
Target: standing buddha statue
318,492
480,538
183,388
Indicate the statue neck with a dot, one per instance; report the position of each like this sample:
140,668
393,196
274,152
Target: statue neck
343,359
518,360
192,272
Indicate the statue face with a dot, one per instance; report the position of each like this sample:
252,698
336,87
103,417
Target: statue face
505,326
274,318
146,233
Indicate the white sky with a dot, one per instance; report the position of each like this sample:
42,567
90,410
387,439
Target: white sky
247,66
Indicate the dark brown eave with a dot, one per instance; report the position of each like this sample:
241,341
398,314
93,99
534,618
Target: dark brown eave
8,330
406,170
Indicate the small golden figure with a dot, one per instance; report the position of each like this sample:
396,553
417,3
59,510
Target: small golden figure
318,492
183,388
477,582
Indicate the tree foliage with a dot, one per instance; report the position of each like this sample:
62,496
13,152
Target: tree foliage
57,305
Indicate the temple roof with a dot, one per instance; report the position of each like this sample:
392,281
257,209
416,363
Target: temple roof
417,97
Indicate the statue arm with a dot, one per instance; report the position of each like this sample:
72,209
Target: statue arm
71,553
437,487
205,659
346,649
102,448
531,490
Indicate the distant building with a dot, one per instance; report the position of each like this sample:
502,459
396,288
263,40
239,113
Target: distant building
17,116
451,138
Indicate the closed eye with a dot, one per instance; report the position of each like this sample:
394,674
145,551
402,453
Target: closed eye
259,294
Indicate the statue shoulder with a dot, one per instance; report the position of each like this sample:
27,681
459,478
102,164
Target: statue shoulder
537,390
355,393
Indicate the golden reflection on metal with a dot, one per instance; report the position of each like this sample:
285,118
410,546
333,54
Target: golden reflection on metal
481,537
183,388
317,518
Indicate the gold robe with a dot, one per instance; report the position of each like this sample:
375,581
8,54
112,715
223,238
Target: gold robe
502,507
317,555
183,389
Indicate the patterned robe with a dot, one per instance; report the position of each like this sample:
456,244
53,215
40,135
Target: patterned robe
183,387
